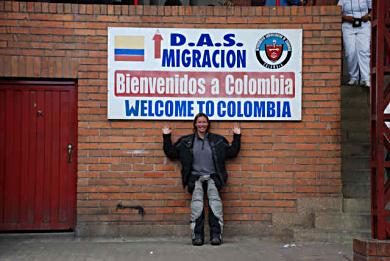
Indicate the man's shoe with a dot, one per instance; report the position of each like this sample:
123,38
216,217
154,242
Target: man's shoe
215,241
352,82
366,84
197,242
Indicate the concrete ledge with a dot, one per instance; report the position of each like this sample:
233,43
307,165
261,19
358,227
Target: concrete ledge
38,235
306,209
116,230
146,230
371,249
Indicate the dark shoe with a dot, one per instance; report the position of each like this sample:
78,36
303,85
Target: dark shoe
197,242
216,241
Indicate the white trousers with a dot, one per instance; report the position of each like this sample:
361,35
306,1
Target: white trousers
357,50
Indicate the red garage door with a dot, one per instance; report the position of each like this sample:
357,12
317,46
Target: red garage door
37,155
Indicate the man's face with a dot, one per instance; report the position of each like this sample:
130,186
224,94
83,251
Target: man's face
201,125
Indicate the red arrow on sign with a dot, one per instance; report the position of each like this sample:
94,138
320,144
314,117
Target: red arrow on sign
157,38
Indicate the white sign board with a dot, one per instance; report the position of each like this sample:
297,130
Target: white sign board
229,74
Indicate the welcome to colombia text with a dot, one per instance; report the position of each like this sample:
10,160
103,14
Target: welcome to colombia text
188,108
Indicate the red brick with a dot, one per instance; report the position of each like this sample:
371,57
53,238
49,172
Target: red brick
123,160
383,249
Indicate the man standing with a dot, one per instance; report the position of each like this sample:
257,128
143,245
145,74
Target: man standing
202,155
356,29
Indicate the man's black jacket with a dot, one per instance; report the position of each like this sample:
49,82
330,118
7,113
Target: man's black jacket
221,151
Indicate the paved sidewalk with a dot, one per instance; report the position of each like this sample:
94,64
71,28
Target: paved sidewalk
172,249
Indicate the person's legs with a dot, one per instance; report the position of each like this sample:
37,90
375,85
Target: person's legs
215,213
349,40
197,214
215,229
198,232
363,52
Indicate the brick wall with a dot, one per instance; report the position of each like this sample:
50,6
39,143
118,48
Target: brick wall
371,250
123,161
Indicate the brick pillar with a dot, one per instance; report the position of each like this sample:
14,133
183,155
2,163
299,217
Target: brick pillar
371,250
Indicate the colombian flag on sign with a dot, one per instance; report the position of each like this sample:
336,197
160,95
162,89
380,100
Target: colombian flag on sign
129,48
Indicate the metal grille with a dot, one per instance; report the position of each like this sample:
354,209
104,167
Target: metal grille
380,120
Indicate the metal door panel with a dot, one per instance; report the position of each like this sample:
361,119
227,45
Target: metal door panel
2,151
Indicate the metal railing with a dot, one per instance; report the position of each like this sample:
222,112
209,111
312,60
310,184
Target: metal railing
380,119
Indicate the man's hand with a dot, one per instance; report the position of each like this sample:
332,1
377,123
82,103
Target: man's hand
366,18
236,129
347,18
166,130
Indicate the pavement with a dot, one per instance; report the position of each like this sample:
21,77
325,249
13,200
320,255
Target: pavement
55,248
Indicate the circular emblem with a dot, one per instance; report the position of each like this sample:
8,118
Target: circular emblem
273,51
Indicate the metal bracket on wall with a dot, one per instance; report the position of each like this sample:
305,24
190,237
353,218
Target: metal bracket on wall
140,209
